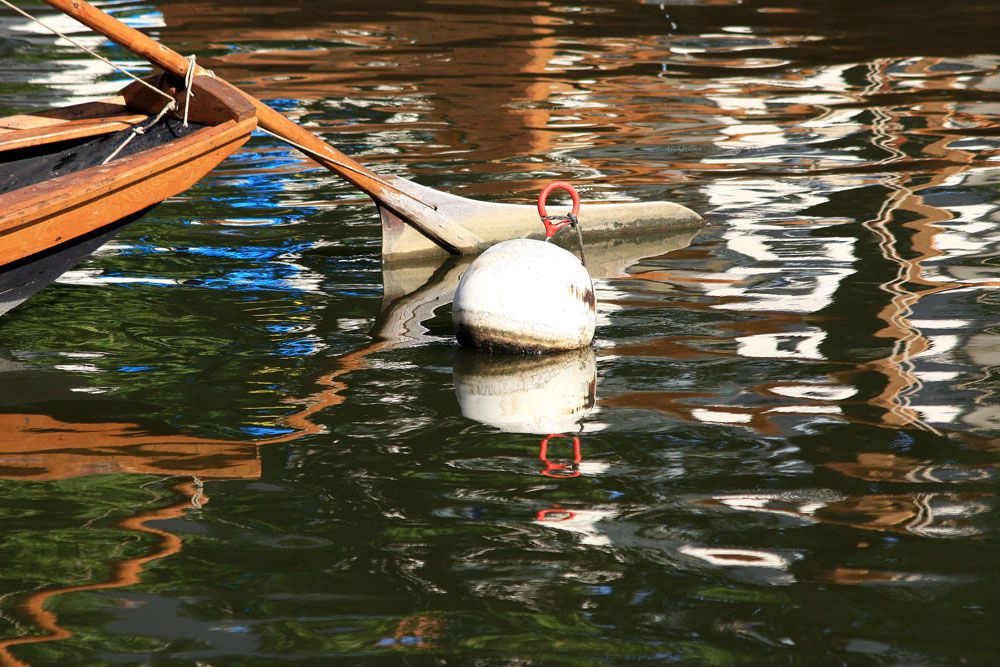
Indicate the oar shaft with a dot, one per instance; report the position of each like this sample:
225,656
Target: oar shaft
452,236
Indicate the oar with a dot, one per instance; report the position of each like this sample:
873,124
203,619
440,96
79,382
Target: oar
457,224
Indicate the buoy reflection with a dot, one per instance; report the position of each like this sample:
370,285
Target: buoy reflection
546,395
542,395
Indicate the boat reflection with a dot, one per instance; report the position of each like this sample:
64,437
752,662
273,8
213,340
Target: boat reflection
36,446
68,443
40,447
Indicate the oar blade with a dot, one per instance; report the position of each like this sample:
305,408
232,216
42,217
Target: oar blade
494,222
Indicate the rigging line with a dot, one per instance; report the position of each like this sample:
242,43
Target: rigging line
138,129
343,165
84,48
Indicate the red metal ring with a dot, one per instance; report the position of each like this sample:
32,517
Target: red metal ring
550,227
559,470
559,515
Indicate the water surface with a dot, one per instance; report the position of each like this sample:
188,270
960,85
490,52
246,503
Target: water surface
228,438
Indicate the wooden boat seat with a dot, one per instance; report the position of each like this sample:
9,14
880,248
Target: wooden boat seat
67,130
49,117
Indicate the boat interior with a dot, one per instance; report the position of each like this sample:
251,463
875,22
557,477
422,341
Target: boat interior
25,166
39,146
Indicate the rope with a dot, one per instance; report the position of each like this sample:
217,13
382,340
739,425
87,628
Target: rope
188,81
85,49
343,165
196,499
573,222
138,129
579,240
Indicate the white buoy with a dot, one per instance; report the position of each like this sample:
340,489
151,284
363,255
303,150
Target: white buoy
541,394
525,296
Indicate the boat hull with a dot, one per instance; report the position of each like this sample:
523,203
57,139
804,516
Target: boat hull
21,280
51,216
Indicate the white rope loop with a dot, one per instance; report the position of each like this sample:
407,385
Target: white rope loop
188,82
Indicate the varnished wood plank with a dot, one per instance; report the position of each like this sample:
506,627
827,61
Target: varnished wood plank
111,106
65,131
23,206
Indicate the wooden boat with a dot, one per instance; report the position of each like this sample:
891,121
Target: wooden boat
58,202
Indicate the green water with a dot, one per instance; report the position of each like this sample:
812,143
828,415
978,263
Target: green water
219,443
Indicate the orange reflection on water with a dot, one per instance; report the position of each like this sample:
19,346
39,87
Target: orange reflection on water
925,514
40,447
882,467
501,90
123,573
36,447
